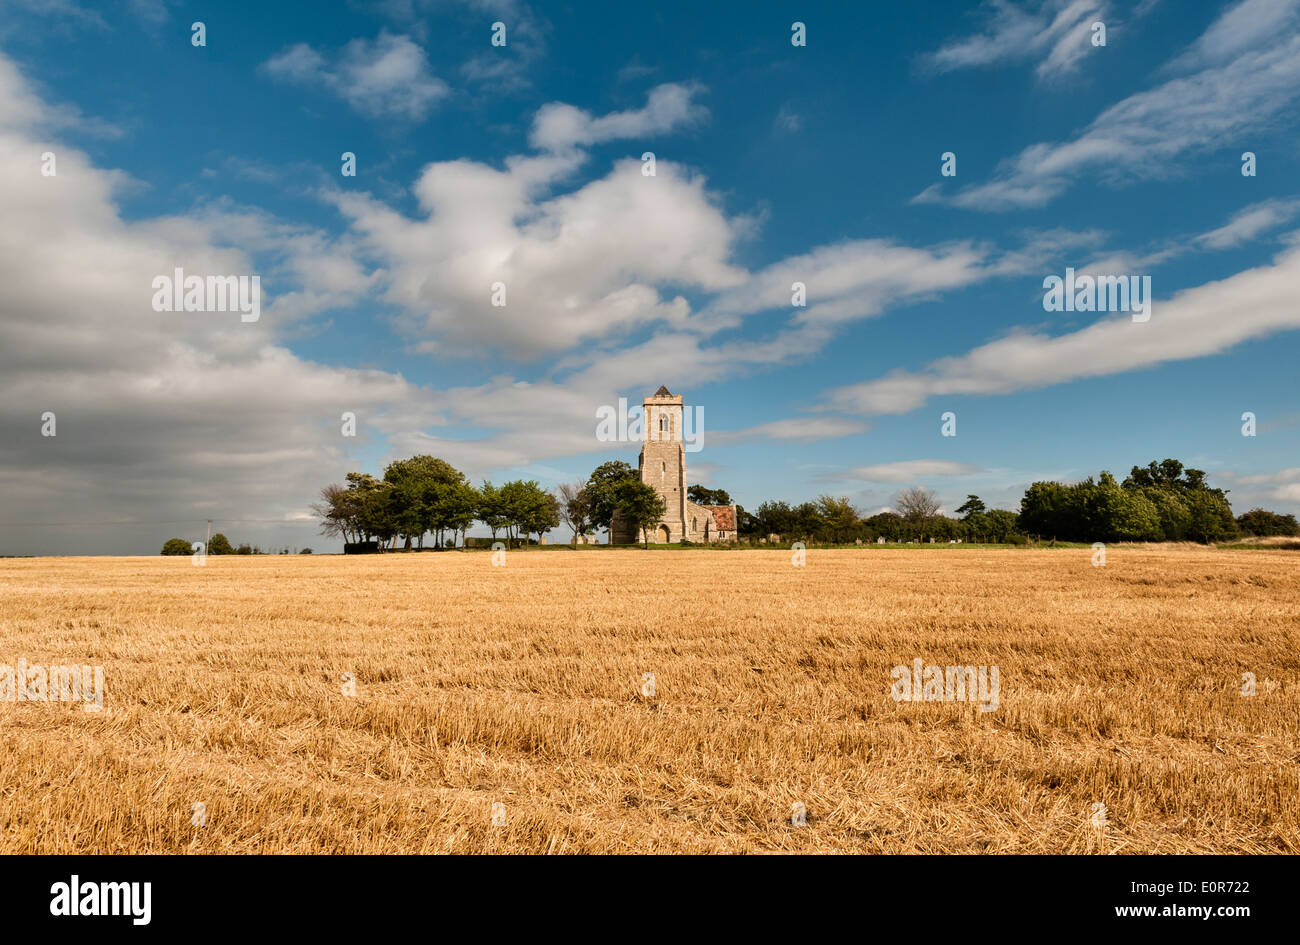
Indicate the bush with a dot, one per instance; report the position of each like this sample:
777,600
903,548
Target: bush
176,546
305,551
220,545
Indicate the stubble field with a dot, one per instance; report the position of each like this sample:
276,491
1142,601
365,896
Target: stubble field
522,686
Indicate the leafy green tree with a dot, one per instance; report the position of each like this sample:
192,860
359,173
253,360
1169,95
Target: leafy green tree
528,508
220,545
426,495
1171,507
1262,523
1123,514
641,505
1045,510
971,506
1002,524
705,496
775,518
176,546
491,508
1211,517
542,512
603,490
837,518
456,508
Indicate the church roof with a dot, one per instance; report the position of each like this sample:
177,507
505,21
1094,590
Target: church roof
663,391
724,517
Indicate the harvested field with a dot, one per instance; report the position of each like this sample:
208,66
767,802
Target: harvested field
523,685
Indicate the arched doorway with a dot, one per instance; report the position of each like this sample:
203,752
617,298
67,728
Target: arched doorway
662,535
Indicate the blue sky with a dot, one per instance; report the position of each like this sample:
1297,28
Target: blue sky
523,163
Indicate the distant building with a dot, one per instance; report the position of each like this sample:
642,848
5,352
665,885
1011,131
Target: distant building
662,464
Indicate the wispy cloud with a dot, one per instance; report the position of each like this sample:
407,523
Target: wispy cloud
909,470
1243,79
1196,322
1055,34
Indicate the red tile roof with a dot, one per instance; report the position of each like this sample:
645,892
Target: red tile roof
724,517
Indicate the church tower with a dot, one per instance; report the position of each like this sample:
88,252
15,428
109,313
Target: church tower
663,461
662,466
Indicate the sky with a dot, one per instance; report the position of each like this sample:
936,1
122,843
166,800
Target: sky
527,164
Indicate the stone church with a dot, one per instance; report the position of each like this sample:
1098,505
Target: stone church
663,466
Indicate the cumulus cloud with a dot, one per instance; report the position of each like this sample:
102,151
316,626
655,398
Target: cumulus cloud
388,77
159,415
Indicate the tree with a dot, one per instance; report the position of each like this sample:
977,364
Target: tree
1044,510
176,546
837,518
426,495
917,504
971,506
1002,524
641,505
542,512
359,512
491,508
460,508
775,518
1211,517
705,496
527,507
220,545
575,507
603,490
1175,516
1260,522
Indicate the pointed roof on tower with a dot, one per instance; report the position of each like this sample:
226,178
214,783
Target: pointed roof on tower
663,391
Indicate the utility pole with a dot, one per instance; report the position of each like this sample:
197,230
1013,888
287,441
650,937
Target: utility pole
207,541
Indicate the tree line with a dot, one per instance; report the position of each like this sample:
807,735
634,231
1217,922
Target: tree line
1162,501
424,495
219,544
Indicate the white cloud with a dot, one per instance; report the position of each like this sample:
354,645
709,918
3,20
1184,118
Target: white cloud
159,415
387,77
910,470
1238,91
1196,322
799,429
1250,222
1056,33
558,127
